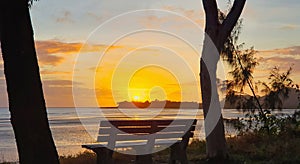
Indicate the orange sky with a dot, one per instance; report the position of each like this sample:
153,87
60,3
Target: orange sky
148,55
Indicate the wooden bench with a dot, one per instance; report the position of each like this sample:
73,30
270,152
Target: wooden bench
143,136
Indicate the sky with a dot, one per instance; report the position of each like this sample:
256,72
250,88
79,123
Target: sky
100,52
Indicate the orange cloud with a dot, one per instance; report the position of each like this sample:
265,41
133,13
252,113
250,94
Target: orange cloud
152,21
283,62
289,27
295,50
58,83
57,47
48,72
58,93
283,58
49,52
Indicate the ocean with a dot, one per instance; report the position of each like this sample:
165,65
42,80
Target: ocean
72,127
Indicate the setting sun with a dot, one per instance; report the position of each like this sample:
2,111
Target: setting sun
136,98
153,83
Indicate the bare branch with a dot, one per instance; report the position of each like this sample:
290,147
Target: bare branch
211,12
231,19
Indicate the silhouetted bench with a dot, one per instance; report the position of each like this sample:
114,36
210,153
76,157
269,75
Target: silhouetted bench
143,136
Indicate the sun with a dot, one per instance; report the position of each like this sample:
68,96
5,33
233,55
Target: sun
152,83
136,98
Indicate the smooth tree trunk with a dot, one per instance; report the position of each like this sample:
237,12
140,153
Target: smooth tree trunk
26,100
216,34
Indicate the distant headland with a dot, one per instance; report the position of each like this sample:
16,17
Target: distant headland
291,102
160,104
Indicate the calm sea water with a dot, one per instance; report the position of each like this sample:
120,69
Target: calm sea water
69,126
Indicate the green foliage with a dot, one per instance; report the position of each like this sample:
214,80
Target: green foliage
278,89
255,148
248,148
243,67
273,125
242,63
274,140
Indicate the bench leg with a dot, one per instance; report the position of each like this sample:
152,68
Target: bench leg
178,153
104,155
144,159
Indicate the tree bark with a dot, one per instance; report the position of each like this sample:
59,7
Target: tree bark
26,99
216,35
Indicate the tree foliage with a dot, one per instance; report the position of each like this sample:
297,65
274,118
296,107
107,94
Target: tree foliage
278,88
217,33
243,63
30,2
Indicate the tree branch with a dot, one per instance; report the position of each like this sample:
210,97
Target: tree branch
231,19
211,12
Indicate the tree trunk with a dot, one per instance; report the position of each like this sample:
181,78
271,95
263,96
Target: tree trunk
214,128
216,35
26,99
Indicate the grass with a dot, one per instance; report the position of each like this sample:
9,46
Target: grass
278,141
254,148
86,157
249,148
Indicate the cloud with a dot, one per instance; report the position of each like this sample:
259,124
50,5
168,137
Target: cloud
60,83
57,47
283,64
96,16
279,61
65,18
177,17
152,21
51,72
289,51
196,16
282,58
50,52
47,51
58,93
289,27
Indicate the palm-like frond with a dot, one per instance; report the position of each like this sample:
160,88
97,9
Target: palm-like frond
278,89
30,2
242,63
243,66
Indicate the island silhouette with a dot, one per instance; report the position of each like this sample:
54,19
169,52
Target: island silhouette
290,103
160,104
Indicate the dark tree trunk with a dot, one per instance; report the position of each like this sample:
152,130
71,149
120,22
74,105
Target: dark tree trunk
26,99
216,35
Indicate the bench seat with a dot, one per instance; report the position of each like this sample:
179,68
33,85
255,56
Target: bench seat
143,136
130,144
